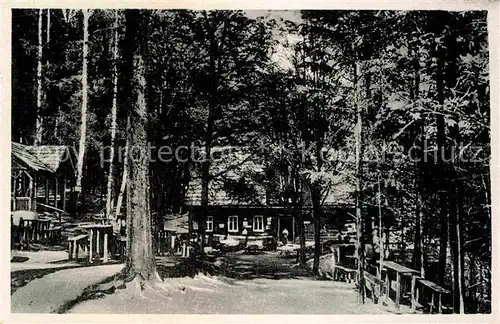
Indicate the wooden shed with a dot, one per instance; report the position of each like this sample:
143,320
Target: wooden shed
42,177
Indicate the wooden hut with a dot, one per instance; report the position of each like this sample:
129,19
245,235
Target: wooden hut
41,177
242,207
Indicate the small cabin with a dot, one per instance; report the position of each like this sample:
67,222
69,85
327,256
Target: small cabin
241,206
42,177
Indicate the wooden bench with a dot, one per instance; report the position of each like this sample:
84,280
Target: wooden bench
74,242
374,285
348,274
435,288
54,234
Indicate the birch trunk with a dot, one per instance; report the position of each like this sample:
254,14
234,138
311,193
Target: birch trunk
83,127
109,195
360,247
48,25
380,239
39,117
460,265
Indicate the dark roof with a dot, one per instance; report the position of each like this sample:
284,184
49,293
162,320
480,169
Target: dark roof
241,186
41,158
23,156
52,155
235,185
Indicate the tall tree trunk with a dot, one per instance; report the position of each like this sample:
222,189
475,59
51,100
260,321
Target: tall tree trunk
360,246
317,213
443,186
140,261
48,25
205,183
302,236
418,252
83,125
109,194
458,219
39,113
205,171
123,185
380,236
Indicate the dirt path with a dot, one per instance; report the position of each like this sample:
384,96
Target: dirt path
21,278
50,293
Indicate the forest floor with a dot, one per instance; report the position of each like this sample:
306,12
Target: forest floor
220,295
53,292
251,284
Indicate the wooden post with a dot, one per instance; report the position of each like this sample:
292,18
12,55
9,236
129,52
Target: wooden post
293,229
70,250
11,232
279,233
97,244
398,288
64,193
432,303
35,193
35,231
91,232
440,305
416,296
387,286
105,256
21,229
56,190
75,250
30,204
46,191
413,303
27,233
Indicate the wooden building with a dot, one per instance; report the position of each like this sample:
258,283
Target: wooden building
42,177
242,208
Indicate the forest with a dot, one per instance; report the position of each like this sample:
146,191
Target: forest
394,103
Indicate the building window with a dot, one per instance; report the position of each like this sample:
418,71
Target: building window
210,224
258,223
232,224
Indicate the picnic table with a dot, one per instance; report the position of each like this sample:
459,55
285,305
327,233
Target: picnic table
400,271
435,289
98,233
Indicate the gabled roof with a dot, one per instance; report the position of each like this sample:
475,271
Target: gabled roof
241,184
235,184
51,155
20,154
41,158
